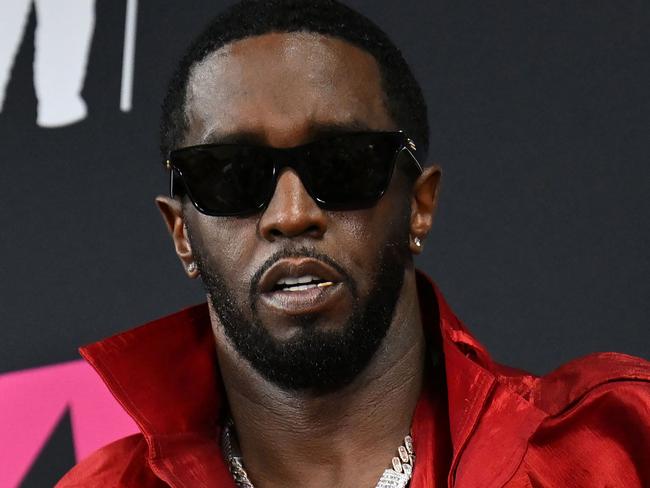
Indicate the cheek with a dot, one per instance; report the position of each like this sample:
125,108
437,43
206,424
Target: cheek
226,244
350,229
361,237
387,220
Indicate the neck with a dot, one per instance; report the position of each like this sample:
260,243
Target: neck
346,438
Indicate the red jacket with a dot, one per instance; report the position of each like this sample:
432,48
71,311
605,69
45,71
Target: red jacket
587,424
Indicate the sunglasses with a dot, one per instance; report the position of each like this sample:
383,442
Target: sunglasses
342,172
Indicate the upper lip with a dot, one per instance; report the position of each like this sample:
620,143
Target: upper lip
294,268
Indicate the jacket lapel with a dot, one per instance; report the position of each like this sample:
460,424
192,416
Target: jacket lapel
490,423
164,375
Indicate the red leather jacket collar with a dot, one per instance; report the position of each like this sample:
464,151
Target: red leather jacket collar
169,362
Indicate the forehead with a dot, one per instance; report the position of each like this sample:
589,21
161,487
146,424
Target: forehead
279,87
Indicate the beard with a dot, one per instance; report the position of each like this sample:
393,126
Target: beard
313,360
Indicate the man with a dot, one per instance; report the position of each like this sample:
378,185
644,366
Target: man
294,134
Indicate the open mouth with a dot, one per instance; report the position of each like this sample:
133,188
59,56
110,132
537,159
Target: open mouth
301,283
297,286
298,274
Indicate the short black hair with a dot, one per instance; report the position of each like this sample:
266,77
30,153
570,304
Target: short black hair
250,18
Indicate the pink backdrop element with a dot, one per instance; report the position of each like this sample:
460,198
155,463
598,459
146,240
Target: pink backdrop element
32,403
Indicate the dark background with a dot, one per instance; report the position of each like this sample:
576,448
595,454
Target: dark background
540,118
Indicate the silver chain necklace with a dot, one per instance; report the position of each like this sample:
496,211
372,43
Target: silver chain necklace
397,476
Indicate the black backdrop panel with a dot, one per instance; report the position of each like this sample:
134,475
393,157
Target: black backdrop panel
540,116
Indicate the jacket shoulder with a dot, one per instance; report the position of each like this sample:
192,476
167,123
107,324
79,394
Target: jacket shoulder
597,431
121,464
586,376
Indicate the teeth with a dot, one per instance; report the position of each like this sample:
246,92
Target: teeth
308,279
300,287
300,279
309,286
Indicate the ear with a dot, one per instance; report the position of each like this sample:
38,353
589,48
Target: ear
172,214
423,205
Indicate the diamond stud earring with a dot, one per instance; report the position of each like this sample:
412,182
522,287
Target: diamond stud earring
191,268
417,241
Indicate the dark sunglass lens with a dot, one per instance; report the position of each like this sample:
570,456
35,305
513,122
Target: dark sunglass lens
350,171
226,180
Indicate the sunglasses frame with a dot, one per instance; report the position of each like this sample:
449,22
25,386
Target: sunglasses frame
176,180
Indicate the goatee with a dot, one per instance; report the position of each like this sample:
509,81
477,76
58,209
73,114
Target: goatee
314,360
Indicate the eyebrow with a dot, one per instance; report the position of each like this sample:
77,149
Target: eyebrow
317,130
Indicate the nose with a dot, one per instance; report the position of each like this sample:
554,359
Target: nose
292,212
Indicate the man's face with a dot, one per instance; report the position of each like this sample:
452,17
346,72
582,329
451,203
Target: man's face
284,90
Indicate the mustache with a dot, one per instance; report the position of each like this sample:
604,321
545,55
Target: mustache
301,252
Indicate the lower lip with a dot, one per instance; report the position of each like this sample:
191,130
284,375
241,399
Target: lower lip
309,301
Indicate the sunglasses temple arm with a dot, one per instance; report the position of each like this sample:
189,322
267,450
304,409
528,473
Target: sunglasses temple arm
416,164
171,182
